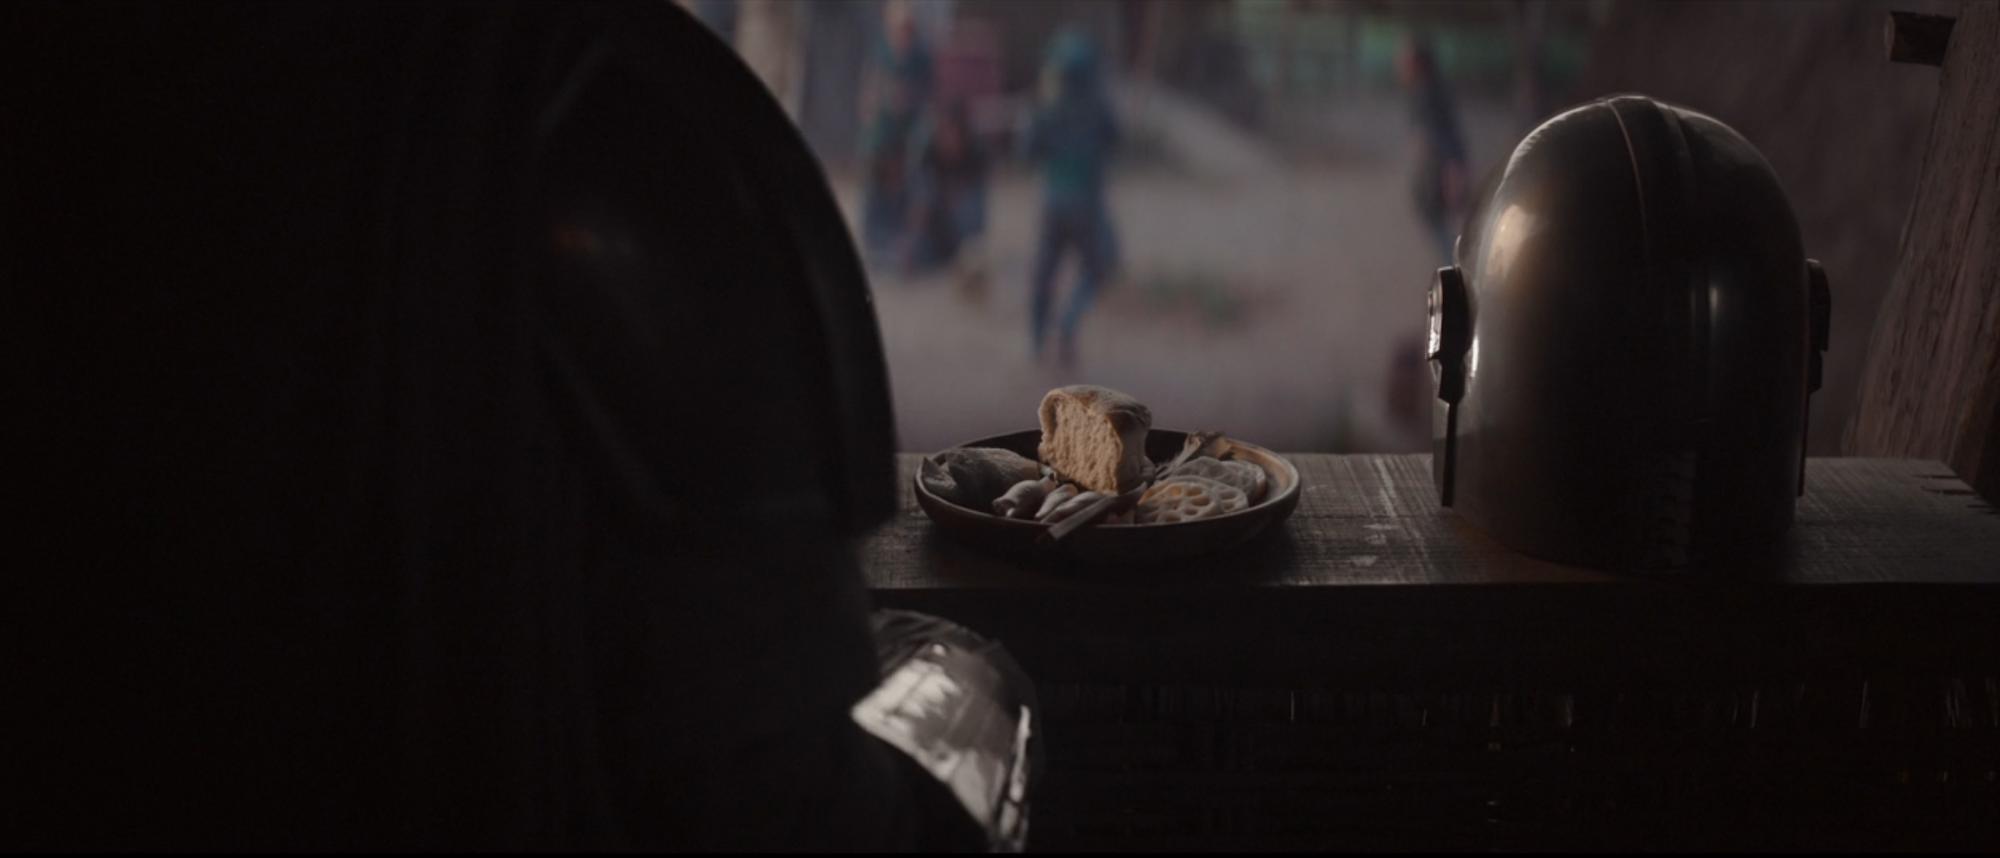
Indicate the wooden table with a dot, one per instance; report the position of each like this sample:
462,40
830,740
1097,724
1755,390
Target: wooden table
1186,702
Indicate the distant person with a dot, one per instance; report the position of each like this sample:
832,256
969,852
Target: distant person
719,15
948,195
1071,135
1440,183
899,90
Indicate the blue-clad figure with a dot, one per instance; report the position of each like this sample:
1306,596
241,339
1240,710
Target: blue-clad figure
1071,136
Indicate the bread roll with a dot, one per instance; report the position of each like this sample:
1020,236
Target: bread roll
1095,437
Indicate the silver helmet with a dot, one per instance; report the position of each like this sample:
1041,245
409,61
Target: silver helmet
1625,348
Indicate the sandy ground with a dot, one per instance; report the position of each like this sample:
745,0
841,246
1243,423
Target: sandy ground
1265,301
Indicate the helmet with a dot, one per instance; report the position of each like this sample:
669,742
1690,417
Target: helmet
701,289
1625,348
421,355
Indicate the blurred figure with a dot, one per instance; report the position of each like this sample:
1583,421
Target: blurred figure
898,90
719,15
1072,135
948,197
1439,186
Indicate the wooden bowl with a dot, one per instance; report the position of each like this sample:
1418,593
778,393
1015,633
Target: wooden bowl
1120,543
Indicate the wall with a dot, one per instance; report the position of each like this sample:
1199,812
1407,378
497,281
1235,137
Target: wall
1807,83
1932,388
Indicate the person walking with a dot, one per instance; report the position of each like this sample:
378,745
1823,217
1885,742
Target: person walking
1071,136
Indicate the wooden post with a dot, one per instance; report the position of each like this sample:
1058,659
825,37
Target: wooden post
1931,386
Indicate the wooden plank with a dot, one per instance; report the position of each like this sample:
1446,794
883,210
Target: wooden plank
1381,675
1892,566
1931,388
1378,674
1373,521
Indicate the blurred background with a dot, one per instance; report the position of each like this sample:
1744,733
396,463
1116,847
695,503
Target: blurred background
1231,209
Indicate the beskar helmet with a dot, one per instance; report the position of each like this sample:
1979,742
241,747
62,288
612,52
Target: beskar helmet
470,396
1625,348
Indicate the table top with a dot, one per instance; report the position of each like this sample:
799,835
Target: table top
1267,671
1374,520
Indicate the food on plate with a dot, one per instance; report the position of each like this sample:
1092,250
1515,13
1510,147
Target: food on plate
1057,497
973,477
1073,506
1093,470
1095,437
1245,477
1198,444
1187,498
1024,499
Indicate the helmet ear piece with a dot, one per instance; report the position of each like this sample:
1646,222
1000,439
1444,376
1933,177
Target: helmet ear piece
1449,340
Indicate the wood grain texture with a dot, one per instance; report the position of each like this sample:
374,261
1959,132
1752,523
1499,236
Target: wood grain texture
1892,564
1374,521
1375,674
1931,387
